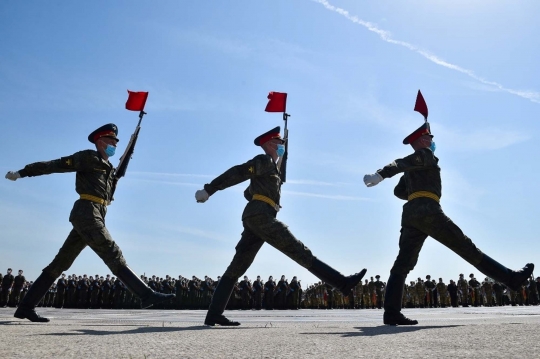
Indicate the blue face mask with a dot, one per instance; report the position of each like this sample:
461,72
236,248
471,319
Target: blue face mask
280,150
109,150
432,147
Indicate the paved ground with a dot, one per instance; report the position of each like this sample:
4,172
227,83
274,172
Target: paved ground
506,332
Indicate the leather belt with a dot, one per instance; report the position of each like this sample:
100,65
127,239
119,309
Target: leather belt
94,199
423,194
260,197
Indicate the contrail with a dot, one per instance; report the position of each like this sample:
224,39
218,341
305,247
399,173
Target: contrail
385,35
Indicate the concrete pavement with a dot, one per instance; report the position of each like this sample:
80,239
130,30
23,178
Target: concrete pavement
498,332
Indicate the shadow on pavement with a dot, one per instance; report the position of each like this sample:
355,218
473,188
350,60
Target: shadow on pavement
140,330
384,330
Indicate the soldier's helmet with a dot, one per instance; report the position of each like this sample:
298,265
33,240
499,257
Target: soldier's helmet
20,271
428,277
471,275
461,275
419,279
377,276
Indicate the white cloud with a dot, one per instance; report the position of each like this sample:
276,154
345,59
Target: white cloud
386,36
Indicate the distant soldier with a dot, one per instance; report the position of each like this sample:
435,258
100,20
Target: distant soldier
258,292
453,291
84,288
429,287
420,292
366,295
18,283
95,289
487,290
442,292
7,284
294,293
379,289
269,289
281,292
245,292
358,296
463,290
106,288
61,286
373,293
72,291
475,287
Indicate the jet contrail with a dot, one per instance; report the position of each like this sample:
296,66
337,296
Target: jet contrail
385,35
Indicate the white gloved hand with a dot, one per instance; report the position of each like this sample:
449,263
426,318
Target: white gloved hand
372,180
201,196
13,175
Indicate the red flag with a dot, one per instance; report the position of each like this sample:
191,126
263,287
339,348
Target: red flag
136,100
277,102
420,105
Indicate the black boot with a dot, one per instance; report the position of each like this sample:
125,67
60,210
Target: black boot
337,280
138,287
219,303
37,291
512,279
392,302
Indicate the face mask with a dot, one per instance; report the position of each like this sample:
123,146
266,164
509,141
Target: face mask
109,150
280,150
432,146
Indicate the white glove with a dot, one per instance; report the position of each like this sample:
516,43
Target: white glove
372,180
13,176
201,196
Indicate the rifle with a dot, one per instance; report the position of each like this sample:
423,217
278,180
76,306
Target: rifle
120,171
282,165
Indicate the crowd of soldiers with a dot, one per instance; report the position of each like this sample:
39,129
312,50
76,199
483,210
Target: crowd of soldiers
93,292
426,293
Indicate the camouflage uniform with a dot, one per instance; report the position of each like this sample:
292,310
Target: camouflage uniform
463,289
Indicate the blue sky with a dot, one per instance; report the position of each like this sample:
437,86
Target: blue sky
351,70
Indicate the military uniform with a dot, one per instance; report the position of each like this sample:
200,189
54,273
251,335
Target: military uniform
260,225
429,286
420,186
442,293
257,293
269,288
463,290
61,286
379,289
453,291
475,291
7,284
18,283
94,183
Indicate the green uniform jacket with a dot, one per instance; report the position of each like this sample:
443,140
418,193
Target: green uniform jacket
264,180
94,177
421,173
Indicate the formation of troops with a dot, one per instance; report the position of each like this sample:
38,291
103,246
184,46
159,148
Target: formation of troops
419,185
105,292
